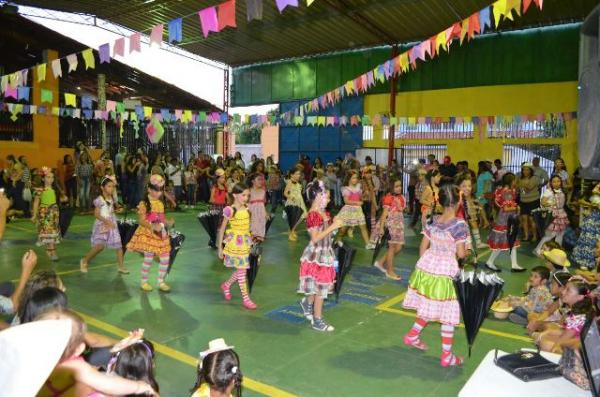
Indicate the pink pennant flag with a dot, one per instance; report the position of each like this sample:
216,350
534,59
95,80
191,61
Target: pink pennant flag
134,42
208,20
156,34
111,106
119,47
178,113
11,92
282,4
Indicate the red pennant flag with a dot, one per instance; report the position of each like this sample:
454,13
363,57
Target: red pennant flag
226,14
454,33
474,25
526,4
433,46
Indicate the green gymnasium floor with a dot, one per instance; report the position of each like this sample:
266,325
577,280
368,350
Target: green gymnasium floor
281,355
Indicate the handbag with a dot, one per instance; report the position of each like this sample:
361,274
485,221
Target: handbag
27,194
527,365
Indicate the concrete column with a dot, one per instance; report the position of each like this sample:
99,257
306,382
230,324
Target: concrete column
102,106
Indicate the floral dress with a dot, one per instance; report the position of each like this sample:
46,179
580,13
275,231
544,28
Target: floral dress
395,218
102,235
583,253
352,215
430,287
147,240
317,263
498,238
238,239
295,196
258,198
48,217
556,203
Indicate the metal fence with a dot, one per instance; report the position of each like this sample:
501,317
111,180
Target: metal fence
515,155
552,128
20,130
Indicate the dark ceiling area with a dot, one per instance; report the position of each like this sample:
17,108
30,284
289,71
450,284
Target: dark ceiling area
327,26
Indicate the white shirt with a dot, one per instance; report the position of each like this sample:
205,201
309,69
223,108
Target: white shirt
174,176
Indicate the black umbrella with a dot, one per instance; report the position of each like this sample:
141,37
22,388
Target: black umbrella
512,224
293,214
177,240
254,259
211,221
268,224
344,254
65,218
543,218
476,290
366,207
381,242
127,229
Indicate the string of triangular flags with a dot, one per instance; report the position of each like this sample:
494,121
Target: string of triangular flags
140,113
211,19
476,24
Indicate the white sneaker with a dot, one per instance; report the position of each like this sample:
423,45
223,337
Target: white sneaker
379,267
370,246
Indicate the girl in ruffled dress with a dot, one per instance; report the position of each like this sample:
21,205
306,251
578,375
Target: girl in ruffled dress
105,232
554,200
430,288
317,263
258,211
151,237
293,198
235,243
351,213
46,214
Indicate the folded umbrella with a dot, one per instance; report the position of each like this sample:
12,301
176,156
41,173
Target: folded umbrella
127,228
366,207
344,254
177,240
543,218
476,290
293,214
254,259
513,230
381,242
65,218
211,221
268,224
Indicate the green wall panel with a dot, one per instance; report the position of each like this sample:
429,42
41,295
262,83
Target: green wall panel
529,56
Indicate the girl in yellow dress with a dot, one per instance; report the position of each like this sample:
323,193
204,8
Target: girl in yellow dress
237,241
46,213
151,237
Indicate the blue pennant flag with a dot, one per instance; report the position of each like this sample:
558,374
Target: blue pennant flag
175,30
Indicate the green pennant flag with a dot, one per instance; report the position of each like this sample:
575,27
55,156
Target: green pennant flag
237,118
201,116
46,96
120,107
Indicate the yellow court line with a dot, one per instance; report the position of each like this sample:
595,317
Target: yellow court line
251,384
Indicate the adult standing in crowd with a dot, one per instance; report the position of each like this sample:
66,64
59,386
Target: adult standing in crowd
448,170
84,171
539,172
528,187
485,187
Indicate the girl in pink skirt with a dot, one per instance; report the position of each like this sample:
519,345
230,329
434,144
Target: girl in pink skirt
317,263
392,218
553,199
430,289
105,232
256,205
351,213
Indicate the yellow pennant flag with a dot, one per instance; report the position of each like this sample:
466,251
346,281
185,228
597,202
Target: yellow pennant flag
70,100
147,112
349,87
309,2
56,111
187,116
499,9
41,72
464,29
88,58
404,62
321,120
442,40
133,116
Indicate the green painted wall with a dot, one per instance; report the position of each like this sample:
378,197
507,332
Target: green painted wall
530,56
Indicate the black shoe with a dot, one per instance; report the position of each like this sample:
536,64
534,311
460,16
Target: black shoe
493,269
520,270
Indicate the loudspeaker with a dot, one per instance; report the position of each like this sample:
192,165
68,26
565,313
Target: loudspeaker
588,131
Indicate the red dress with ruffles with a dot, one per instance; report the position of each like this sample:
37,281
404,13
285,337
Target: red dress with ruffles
317,263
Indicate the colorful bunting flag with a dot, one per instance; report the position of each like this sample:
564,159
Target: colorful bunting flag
11,92
134,42
23,93
156,34
282,4
226,15
484,19
41,72
70,100
254,9
208,20
309,2
176,30
56,68
72,61
104,53
119,47
499,9
46,95
88,58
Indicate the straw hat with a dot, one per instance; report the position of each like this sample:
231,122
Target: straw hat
215,345
557,257
501,309
219,172
27,358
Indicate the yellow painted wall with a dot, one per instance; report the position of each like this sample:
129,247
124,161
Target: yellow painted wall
483,101
44,150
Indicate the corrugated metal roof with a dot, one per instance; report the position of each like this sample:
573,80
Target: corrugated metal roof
22,43
326,26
